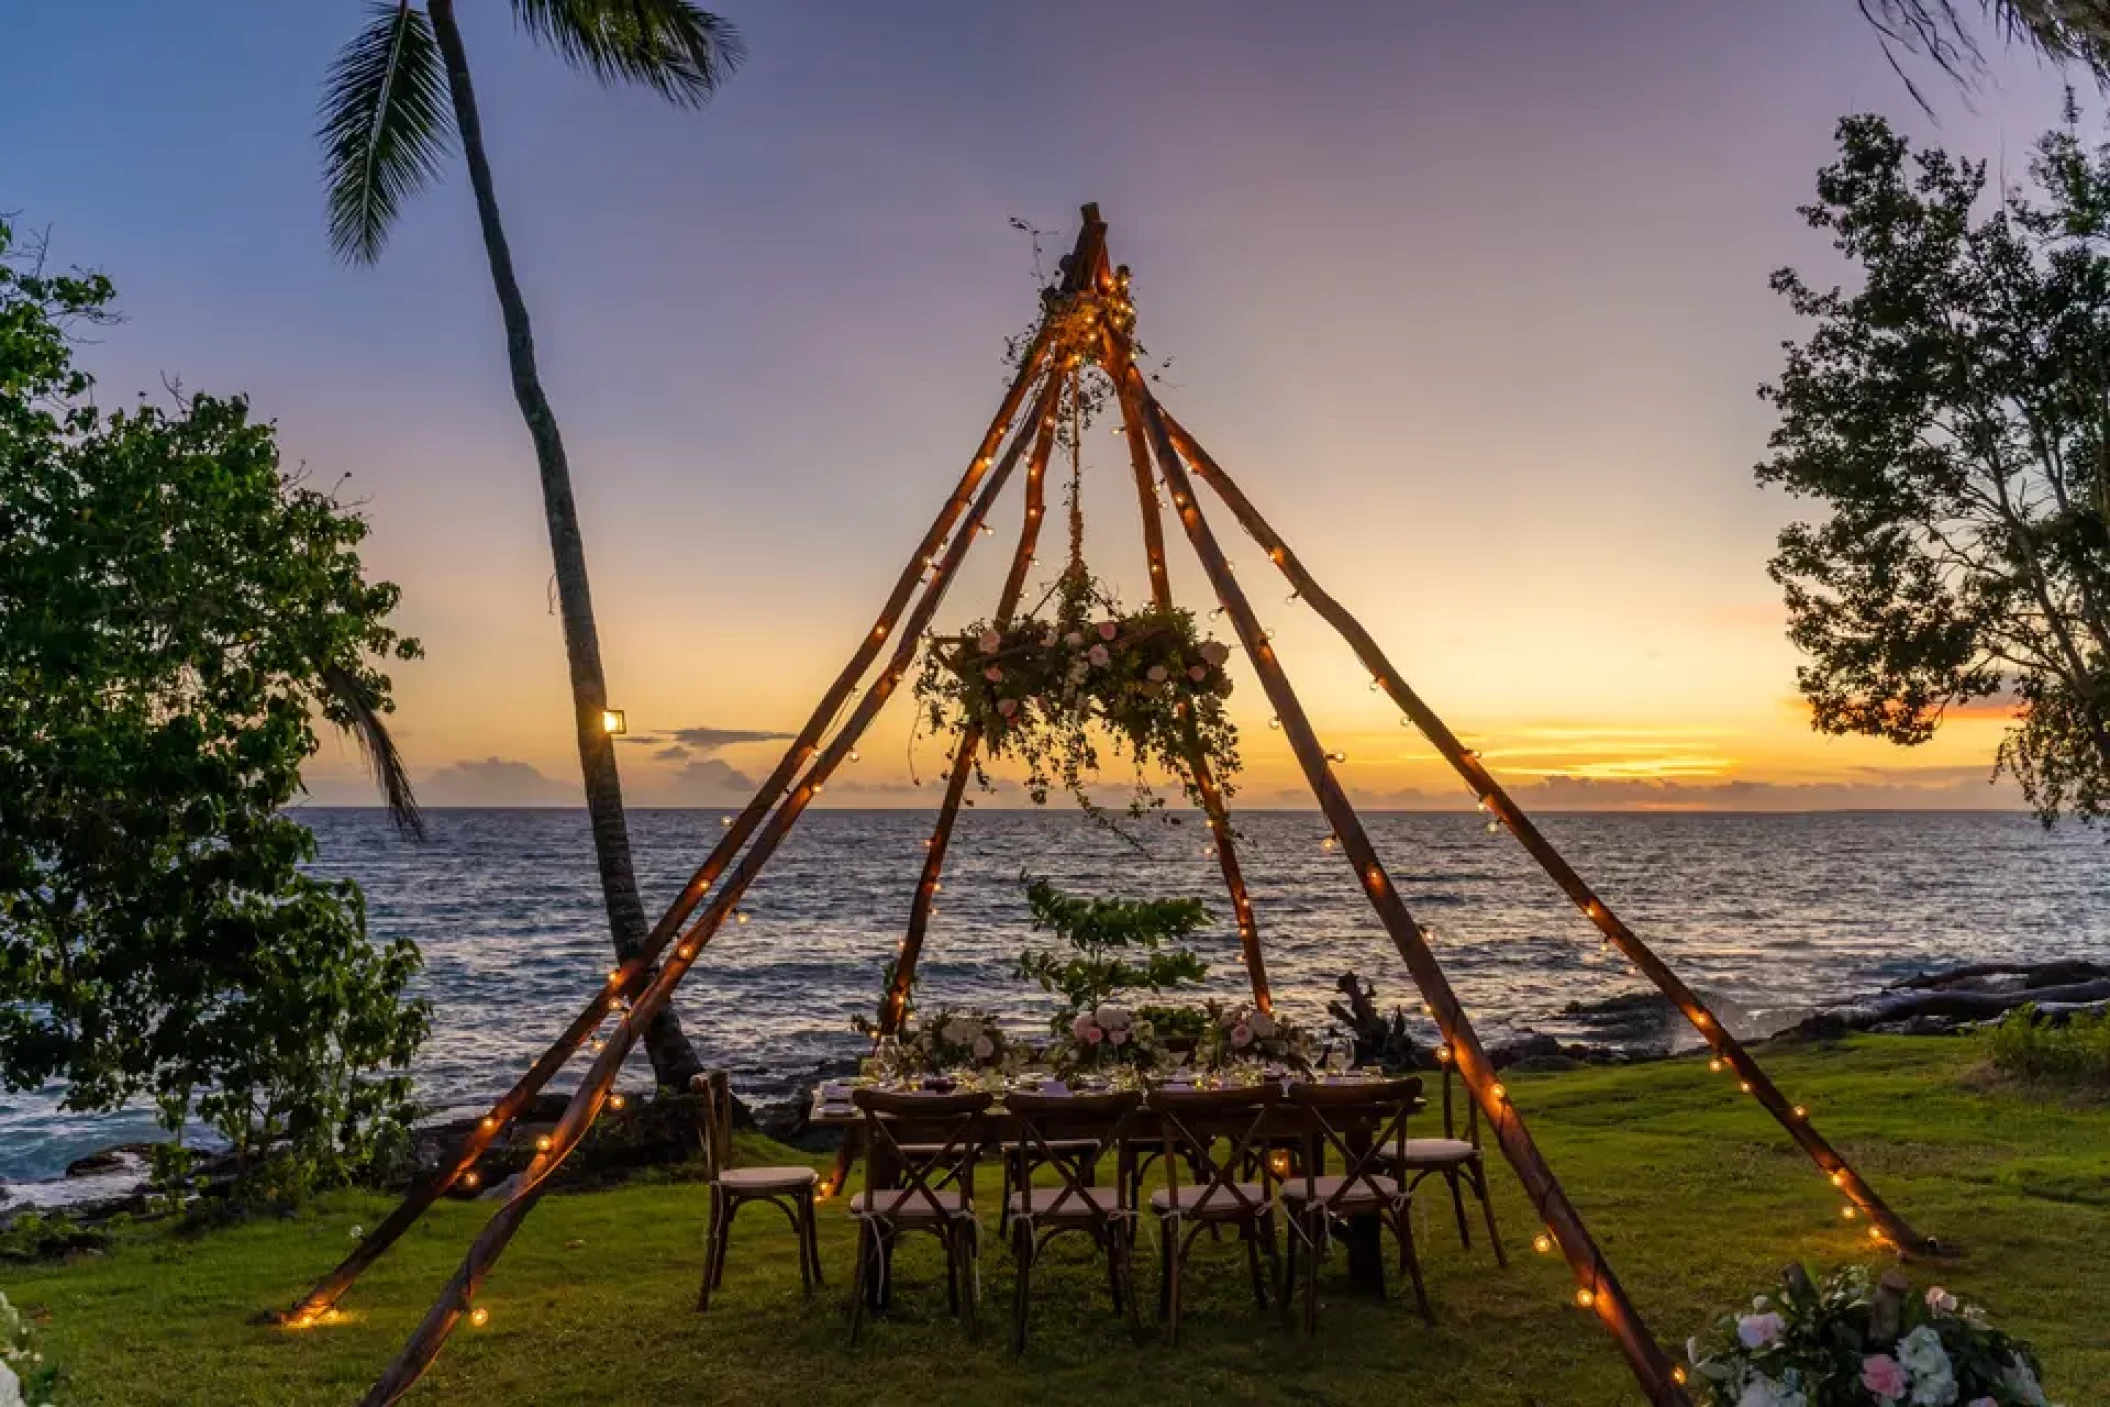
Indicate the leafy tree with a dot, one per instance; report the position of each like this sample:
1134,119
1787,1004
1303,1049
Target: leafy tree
2065,31
1952,415
1098,934
397,95
176,614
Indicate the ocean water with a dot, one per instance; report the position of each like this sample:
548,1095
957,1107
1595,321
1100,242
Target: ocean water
1766,914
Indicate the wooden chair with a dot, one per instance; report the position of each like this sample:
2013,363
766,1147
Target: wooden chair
1069,1134
920,1152
1364,1126
789,1189
1191,1124
1458,1161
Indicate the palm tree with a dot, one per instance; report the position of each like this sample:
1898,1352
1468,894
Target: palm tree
397,94
2073,32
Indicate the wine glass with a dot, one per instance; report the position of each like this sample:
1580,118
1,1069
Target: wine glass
1336,1061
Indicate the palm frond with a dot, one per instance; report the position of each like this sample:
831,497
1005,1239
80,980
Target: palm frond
680,52
385,126
2075,32
357,715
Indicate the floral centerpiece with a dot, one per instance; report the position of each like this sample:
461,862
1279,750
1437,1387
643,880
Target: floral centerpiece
1244,1034
948,1040
1044,692
1105,1039
26,1380
1857,1341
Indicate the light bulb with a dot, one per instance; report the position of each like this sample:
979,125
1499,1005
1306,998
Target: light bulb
616,1101
1542,1243
725,820
478,1317
1847,1212
1585,1298
1274,722
542,1144
685,953
489,1122
1801,1113
1499,1091
1839,1179
739,916
615,975
853,755
1445,1055
470,1180
1744,1085
1714,1066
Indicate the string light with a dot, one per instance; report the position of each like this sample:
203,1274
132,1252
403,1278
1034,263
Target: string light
854,755
542,1144
489,1122
1744,1085
616,1101
615,975
1336,757
1542,1243
1274,722
1848,1213
1445,1055
1677,1374
1585,1298
1839,1178
1800,1112
725,820
685,953
478,1317
1499,1091
470,1179
739,916
1327,844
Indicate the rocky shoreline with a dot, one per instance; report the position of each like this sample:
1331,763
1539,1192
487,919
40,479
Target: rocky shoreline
665,1133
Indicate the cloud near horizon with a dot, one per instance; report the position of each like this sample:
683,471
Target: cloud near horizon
702,739
495,781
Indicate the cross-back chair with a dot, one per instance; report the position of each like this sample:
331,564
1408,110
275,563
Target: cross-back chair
1068,1135
1458,1161
1193,1126
922,1149
789,1189
1363,1128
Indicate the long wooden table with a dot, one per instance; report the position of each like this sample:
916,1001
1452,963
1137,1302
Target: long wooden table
1283,1125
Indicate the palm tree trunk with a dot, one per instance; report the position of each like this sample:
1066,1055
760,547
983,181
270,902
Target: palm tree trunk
673,1060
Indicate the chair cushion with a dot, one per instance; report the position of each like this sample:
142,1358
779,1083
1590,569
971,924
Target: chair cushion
909,1204
1084,1203
767,1179
1223,1204
1364,1191
1060,1145
1439,1150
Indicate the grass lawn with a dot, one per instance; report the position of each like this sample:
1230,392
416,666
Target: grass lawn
1697,1198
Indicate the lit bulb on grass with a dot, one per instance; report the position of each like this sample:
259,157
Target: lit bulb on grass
478,1317
1542,1243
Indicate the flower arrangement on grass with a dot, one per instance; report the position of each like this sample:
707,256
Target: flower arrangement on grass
1244,1034
1046,692
26,1380
1857,1341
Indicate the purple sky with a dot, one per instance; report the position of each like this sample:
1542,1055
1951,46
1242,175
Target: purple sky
1471,297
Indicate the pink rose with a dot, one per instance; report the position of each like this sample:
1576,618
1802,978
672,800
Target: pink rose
1882,1375
1197,673
1940,1300
1007,707
1108,629
1155,674
1117,1037
1073,639
1099,655
990,642
1241,1035
993,675
1081,1025
1758,1330
1094,1035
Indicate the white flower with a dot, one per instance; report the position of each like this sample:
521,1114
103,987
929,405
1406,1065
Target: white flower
1758,1330
1155,674
2019,1380
10,1387
1933,1380
983,1047
1263,1024
1073,639
1113,1018
960,1030
1940,1300
1762,1391
1216,652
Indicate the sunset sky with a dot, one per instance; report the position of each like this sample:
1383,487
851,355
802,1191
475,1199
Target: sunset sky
1471,298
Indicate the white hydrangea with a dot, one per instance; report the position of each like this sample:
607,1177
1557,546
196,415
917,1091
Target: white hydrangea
10,1387
1933,1379
1762,1391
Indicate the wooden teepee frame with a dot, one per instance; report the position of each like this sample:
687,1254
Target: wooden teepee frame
1086,322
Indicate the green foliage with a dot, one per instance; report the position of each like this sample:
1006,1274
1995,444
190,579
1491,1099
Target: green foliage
175,616
1097,933
387,113
25,1376
2030,1046
1948,416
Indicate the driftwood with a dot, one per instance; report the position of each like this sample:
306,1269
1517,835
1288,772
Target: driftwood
1379,1040
1971,993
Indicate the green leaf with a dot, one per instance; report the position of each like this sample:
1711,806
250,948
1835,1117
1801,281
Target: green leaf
680,52
386,125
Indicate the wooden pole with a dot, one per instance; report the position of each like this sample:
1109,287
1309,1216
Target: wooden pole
1794,1118
424,1344
1213,806
326,1292
893,1005
1597,1288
